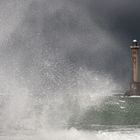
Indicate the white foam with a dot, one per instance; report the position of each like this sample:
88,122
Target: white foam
122,107
134,96
74,134
122,101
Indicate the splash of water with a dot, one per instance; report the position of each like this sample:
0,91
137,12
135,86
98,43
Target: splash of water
45,79
20,109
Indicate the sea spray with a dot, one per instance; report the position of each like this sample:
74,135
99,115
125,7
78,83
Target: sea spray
22,110
52,69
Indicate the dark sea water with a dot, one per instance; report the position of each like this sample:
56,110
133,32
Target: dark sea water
114,112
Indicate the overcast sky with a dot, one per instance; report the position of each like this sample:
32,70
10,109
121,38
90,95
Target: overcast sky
95,34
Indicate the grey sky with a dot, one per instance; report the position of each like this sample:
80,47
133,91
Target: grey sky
95,34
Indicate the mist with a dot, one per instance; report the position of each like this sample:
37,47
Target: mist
68,29
59,54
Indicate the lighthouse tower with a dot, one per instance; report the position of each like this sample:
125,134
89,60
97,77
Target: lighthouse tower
135,84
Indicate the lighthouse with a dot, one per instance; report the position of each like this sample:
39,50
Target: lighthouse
134,84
